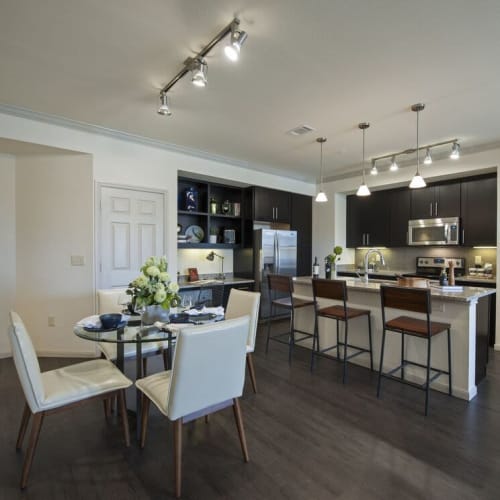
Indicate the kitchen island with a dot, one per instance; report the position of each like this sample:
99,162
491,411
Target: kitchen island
467,312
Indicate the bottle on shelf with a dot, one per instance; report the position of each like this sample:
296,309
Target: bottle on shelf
328,269
315,268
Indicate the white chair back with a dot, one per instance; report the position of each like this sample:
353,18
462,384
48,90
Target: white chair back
243,303
209,366
107,300
26,362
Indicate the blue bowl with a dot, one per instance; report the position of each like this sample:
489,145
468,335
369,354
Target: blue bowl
111,320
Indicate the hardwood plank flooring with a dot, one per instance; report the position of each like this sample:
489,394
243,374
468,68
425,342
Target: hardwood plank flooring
309,437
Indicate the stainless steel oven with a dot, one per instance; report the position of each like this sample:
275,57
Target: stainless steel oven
438,231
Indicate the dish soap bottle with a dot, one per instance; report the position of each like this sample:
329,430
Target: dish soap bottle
443,278
315,268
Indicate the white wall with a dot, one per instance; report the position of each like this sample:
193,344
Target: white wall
115,160
54,220
7,246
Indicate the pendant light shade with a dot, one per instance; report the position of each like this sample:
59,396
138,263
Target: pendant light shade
321,196
417,181
363,188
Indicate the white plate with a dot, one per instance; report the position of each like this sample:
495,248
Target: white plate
194,234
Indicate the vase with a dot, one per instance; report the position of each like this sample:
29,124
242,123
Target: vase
334,272
155,313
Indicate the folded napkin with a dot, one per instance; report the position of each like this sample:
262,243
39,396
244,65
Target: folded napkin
206,310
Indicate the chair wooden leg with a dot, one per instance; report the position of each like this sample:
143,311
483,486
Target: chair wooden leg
251,371
24,425
123,414
107,407
35,433
165,358
241,430
144,419
428,388
379,384
178,456
144,366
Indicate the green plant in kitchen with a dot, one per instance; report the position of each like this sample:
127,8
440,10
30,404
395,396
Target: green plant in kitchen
153,285
334,257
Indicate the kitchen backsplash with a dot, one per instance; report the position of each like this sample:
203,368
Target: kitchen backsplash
405,258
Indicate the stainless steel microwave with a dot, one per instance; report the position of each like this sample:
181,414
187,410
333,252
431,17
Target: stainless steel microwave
434,231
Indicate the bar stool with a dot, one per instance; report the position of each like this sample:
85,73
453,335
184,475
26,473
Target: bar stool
415,300
337,290
284,286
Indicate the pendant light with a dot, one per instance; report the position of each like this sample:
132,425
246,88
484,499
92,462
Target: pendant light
321,196
417,181
363,188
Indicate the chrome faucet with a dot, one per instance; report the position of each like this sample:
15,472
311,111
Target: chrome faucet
367,255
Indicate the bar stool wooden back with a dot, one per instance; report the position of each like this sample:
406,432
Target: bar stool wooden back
416,300
337,290
281,296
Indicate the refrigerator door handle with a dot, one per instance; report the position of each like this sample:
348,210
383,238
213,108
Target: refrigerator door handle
277,253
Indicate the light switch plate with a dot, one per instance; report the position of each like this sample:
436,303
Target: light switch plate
77,260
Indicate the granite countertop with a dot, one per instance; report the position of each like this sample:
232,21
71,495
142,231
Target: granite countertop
469,293
228,280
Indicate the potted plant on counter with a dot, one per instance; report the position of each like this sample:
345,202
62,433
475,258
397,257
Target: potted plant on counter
331,262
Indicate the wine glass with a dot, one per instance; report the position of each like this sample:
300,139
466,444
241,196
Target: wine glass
187,301
140,309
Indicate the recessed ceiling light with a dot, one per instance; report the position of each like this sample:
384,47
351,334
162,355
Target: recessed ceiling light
301,130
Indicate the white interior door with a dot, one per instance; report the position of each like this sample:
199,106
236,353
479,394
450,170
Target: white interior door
132,227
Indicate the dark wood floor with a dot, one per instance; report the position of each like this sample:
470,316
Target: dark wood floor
309,437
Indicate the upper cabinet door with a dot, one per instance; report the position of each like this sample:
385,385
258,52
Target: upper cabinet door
447,200
399,200
479,212
271,205
422,203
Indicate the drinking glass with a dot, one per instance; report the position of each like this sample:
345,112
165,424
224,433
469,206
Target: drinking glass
187,301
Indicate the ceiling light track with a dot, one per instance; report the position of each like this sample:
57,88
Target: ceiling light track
198,65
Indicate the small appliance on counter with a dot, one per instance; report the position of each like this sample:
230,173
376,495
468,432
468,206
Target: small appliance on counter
482,272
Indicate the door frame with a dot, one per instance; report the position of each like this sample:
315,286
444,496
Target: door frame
98,223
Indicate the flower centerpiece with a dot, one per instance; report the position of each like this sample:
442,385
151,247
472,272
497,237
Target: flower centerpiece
153,292
332,259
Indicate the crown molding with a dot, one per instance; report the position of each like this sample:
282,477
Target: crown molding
139,139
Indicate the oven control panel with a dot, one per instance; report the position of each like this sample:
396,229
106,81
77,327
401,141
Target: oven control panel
440,262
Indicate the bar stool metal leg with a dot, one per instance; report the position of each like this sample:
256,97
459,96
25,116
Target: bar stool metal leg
427,388
338,341
291,338
269,326
449,361
403,355
315,347
370,341
379,385
344,371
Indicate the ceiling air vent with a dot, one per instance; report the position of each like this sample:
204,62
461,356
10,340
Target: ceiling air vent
300,130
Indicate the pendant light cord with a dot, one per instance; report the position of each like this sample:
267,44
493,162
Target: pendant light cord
321,166
418,150
364,181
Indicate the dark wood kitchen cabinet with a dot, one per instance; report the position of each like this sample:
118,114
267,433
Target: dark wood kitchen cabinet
399,207
479,212
368,220
270,205
301,221
436,201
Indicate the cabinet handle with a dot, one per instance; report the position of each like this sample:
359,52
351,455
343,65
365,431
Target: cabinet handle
436,209
430,208
463,236
276,213
368,239
273,213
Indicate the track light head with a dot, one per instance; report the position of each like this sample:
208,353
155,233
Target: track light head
428,157
238,38
164,109
455,151
394,166
374,169
199,69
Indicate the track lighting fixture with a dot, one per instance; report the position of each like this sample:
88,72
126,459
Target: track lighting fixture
363,188
417,181
455,151
374,170
321,196
197,65
394,165
164,108
238,37
199,69
428,157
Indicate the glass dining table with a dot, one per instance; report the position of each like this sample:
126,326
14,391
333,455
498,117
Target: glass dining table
131,332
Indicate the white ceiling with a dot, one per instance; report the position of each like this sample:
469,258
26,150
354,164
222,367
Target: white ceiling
326,63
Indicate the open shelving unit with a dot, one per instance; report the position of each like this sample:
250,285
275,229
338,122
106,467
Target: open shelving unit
202,217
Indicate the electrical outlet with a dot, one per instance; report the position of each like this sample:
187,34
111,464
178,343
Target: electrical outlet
52,321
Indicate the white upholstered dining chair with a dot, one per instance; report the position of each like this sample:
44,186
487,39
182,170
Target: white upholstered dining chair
242,303
207,375
55,390
107,302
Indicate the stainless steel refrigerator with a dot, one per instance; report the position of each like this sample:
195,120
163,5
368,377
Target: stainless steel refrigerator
274,252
